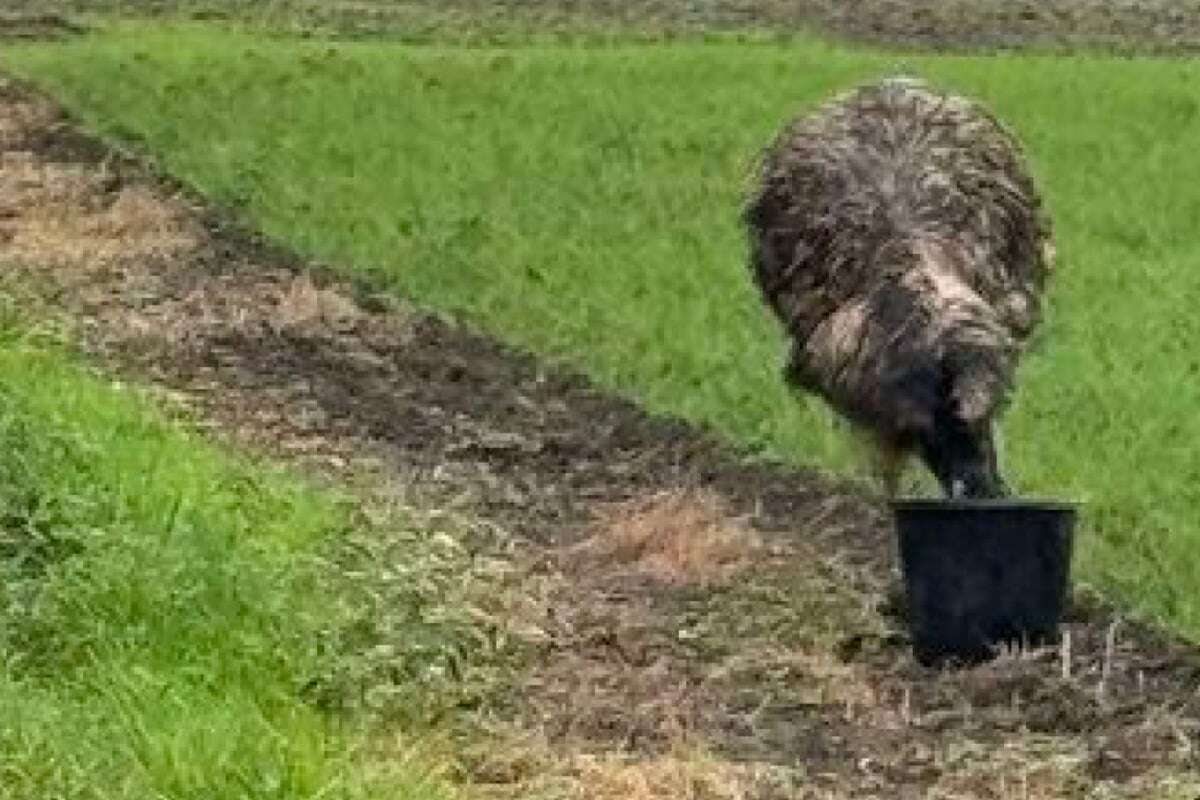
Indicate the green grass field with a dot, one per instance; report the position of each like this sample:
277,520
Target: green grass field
582,201
160,607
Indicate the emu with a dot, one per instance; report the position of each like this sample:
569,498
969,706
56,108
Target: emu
897,236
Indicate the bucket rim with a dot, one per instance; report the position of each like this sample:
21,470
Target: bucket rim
997,504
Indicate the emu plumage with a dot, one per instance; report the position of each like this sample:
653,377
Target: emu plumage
898,237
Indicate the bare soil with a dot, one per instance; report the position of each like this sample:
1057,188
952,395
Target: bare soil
696,625
1143,26
36,26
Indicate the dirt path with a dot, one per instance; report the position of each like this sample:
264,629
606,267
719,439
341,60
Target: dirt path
695,626
1144,26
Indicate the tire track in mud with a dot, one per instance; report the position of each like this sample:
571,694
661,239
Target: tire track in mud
696,626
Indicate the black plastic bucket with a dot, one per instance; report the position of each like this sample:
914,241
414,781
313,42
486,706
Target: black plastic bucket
980,574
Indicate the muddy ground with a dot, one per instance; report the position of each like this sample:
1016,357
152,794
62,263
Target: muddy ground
692,625
1155,26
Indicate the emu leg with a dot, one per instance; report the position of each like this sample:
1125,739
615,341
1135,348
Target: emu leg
889,465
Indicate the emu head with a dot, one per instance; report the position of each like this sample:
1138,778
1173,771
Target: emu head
945,369
963,458
945,404
957,444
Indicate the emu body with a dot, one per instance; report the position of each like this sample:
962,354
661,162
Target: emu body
898,237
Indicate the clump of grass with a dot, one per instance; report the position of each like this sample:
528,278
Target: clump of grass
422,634
160,608
583,202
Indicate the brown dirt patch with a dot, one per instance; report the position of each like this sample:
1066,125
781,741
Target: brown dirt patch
1147,26
697,625
14,25
70,219
678,536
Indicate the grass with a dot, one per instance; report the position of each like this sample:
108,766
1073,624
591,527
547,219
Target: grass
160,607
582,201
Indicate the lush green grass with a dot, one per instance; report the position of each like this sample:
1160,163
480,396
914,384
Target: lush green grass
582,201
159,608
